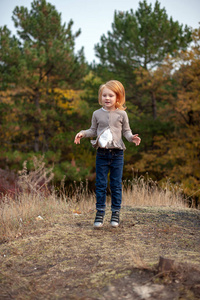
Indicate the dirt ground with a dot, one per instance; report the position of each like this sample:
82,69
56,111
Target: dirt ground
63,257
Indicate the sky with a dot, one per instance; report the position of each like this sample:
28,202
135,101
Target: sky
95,17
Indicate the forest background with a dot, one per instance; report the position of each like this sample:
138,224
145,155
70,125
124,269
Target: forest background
48,93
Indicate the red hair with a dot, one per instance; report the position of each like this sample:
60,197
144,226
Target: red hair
118,89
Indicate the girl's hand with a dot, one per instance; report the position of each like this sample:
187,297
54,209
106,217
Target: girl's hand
78,137
136,139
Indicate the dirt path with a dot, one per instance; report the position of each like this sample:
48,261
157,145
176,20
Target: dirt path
68,259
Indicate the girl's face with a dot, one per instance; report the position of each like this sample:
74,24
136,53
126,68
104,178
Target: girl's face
109,99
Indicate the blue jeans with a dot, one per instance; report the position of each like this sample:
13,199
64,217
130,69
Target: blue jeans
109,160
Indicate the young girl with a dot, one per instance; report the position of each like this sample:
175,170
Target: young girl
109,123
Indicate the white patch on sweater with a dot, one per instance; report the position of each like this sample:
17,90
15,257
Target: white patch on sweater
105,138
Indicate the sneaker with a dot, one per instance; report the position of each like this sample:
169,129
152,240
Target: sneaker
98,222
114,222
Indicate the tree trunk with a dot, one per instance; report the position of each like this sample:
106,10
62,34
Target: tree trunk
153,103
36,141
36,125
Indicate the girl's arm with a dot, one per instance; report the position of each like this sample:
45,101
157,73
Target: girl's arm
126,130
87,133
127,133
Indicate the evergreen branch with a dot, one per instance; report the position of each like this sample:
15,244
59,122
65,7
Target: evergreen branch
47,73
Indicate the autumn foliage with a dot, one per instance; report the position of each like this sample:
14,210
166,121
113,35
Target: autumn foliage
175,84
48,93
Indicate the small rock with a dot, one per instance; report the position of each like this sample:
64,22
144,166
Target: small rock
39,218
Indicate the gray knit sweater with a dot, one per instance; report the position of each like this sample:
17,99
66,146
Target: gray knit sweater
118,123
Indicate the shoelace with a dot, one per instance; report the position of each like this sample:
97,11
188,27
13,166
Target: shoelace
99,217
115,217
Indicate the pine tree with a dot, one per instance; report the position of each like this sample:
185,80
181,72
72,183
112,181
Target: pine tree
40,60
139,39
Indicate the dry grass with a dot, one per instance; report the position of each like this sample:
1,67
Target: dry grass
31,200
34,199
14,215
146,192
